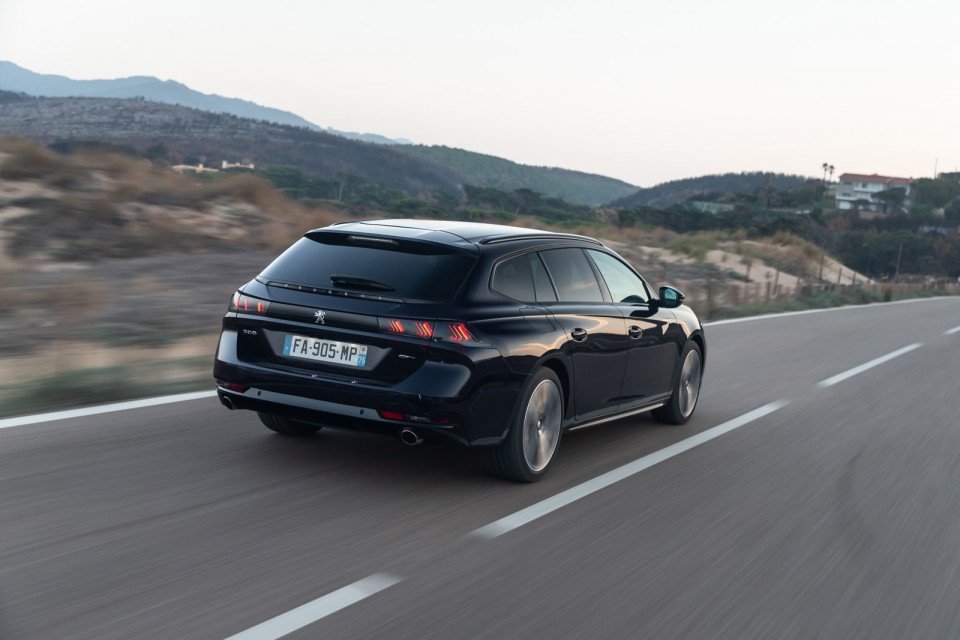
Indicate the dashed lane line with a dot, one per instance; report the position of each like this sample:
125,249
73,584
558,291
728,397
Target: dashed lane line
333,602
317,609
866,366
562,499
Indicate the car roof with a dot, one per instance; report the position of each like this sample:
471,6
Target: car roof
451,232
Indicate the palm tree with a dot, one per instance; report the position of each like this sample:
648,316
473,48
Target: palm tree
823,194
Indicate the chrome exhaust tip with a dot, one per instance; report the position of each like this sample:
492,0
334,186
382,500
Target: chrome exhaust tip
410,437
227,402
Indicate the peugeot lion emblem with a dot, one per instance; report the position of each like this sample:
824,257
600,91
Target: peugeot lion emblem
319,316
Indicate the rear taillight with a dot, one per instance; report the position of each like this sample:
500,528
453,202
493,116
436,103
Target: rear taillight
459,332
240,303
406,327
415,328
442,331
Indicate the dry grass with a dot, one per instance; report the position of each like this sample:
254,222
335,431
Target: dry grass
116,206
11,292
27,161
695,245
783,251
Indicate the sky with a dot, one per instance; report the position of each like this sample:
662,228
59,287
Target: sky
636,90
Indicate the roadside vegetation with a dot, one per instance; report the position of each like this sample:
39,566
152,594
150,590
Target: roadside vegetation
102,385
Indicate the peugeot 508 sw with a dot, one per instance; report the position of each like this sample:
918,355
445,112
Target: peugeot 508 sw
492,336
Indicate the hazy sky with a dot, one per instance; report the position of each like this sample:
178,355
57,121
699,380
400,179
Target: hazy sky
641,91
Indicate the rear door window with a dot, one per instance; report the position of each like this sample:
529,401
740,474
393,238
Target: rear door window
572,275
404,269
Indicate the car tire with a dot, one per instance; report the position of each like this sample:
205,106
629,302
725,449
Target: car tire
534,436
285,426
686,387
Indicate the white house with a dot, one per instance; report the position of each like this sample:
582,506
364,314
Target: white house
193,168
245,164
858,188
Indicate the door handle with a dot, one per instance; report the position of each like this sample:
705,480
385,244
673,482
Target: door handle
635,332
579,334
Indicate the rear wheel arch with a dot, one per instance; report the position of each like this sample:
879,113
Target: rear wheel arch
560,368
535,430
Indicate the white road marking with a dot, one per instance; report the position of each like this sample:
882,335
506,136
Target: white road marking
950,332
562,499
320,608
849,307
104,408
849,373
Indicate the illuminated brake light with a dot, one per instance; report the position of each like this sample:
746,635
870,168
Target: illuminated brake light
391,415
459,332
449,331
412,328
241,303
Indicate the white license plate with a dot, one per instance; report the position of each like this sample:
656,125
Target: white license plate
354,355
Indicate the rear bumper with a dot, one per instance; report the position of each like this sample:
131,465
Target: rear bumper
470,406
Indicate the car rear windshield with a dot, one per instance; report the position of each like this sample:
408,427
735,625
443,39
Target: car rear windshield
394,268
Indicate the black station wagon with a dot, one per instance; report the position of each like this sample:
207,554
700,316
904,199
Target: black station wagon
491,336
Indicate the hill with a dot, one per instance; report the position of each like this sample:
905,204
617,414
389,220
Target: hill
676,191
187,132
16,78
504,175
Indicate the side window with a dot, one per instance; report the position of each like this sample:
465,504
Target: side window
572,275
624,285
513,279
541,280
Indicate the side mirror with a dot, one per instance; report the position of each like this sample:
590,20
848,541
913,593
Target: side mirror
671,298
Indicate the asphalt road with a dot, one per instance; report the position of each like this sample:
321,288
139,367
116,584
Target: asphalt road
834,514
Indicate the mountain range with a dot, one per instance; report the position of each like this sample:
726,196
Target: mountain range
142,111
415,167
15,78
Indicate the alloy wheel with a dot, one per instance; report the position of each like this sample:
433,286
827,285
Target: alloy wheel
541,425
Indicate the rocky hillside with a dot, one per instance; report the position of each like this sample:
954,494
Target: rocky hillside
186,132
